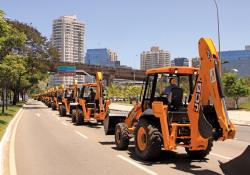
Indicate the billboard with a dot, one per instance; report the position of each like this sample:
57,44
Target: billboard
66,70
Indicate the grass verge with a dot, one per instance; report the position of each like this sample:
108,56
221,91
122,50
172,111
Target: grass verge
245,106
7,116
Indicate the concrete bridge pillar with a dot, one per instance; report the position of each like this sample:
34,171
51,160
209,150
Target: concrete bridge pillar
109,79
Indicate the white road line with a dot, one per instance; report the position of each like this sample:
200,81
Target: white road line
77,132
12,147
221,156
65,124
137,165
38,115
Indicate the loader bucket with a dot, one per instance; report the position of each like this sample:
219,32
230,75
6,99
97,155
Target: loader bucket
110,122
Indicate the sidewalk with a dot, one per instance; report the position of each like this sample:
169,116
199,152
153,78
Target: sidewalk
120,107
238,117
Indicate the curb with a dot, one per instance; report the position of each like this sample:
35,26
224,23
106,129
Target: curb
235,122
240,123
118,110
6,140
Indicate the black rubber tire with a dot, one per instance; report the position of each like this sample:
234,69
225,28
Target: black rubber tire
200,154
53,106
121,136
49,105
73,116
60,111
63,111
79,118
153,137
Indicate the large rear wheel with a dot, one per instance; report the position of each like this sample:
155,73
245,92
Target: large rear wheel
49,104
121,136
53,106
200,154
73,116
148,140
79,118
59,109
63,110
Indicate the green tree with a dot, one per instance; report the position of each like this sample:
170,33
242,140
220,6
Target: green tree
10,38
235,87
12,70
39,56
112,91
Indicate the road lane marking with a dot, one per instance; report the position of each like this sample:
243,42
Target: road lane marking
137,165
12,160
77,132
65,124
38,115
221,156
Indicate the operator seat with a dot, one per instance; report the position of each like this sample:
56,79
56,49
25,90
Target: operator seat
177,112
175,98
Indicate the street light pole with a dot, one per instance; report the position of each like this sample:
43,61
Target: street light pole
218,24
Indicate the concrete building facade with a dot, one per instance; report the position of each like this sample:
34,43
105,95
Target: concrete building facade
154,58
181,61
68,39
236,60
102,57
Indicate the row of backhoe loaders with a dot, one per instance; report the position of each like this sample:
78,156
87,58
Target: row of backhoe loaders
84,103
192,115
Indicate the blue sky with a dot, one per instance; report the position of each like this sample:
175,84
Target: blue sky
132,26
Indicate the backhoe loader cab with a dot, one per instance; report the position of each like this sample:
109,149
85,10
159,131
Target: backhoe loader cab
190,114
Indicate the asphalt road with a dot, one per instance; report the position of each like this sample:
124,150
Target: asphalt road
47,144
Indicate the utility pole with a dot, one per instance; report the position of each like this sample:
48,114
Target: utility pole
218,24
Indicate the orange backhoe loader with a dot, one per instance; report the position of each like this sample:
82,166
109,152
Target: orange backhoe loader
91,103
189,113
68,100
57,97
47,98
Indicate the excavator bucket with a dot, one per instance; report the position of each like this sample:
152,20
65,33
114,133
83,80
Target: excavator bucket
110,122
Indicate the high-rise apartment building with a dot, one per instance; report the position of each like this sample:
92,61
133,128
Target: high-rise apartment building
112,55
154,58
68,39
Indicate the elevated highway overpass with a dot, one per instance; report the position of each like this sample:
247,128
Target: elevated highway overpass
109,73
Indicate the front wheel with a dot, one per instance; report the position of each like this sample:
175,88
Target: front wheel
200,154
121,136
148,140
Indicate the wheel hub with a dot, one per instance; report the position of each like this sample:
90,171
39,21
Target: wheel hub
141,139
